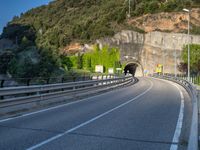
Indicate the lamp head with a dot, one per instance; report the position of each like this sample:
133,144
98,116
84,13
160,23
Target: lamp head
186,10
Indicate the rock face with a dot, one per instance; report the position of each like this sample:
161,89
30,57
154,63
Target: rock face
148,50
173,21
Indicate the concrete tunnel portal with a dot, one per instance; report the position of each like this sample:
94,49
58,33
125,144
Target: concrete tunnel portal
130,68
134,69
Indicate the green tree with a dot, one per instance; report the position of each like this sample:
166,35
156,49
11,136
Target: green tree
25,42
194,57
79,61
66,62
5,58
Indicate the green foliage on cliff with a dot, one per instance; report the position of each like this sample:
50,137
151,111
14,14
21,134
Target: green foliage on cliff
194,57
107,57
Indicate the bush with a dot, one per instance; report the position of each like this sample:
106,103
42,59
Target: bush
194,57
108,57
152,6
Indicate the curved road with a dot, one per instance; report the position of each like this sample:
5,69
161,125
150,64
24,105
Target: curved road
150,115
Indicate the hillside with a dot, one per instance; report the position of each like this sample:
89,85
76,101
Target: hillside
62,22
46,31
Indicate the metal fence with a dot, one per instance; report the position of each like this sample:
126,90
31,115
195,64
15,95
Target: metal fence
14,82
195,79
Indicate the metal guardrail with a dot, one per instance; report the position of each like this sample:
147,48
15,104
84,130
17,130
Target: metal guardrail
15,96
15,82
193,137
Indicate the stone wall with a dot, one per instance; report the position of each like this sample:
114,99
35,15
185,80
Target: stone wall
150,49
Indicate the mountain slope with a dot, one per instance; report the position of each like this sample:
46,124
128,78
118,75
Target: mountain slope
65,21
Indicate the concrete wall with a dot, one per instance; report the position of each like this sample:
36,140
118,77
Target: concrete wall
150,49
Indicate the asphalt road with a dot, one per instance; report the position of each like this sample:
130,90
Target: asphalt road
143,116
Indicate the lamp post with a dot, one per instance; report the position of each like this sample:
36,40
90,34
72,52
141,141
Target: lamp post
175,64
129,8
188,11
163,56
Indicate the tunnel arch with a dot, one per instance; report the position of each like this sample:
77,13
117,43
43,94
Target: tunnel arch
134,68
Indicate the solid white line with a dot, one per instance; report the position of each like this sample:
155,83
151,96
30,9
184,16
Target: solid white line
40,111
51,108
89,121
179,122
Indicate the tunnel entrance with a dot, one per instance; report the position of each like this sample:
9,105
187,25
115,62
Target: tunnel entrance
130,68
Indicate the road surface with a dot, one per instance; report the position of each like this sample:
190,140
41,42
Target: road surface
149,115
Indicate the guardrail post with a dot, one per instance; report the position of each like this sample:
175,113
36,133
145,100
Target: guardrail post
48,80
41,97
106,79
91,77
84,76
62,80
28,82
2,83
74,78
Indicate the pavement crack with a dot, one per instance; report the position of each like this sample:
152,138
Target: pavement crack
123,138
32,129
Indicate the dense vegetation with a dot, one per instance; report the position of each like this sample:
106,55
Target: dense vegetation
62,22
194,59
41,32
108,57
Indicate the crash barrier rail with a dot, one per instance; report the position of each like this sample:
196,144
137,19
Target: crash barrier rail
191,89
195,79
14,82
37,93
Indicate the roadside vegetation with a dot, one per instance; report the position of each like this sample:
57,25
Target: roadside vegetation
107,57
194,59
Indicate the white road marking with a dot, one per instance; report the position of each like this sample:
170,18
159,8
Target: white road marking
51,108
89,121
40,111
179,124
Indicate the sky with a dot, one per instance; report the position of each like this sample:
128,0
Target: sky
11,8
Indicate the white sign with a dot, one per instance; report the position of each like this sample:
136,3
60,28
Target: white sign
99,68
110,70
118,69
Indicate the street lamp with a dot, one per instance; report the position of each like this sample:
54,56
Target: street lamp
175,72
163,56
188,11
129,8
126,56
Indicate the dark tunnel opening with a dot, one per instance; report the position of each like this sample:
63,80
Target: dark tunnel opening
130,68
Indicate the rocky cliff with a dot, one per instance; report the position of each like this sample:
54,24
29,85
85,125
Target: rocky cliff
150,49
165,21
